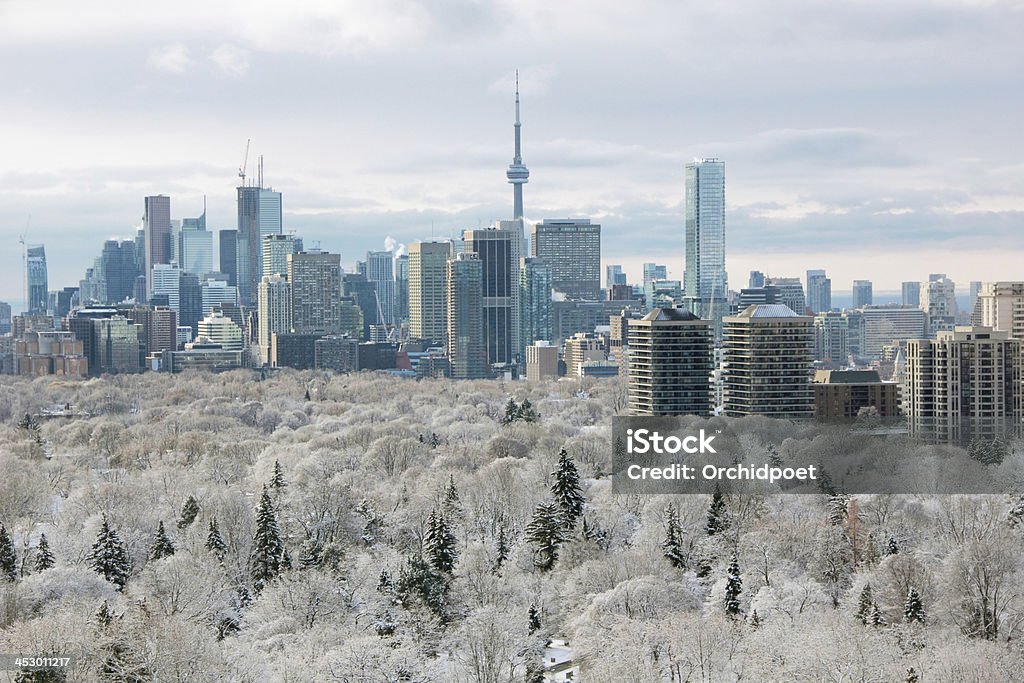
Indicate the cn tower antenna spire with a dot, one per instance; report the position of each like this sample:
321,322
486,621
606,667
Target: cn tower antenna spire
517,173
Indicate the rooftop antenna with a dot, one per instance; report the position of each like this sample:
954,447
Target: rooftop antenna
245,163
261,170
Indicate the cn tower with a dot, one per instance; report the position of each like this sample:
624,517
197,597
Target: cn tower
517,173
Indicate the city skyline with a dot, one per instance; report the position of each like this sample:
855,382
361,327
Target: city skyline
861,165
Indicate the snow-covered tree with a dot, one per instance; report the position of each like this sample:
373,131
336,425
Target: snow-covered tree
718,515
44,556
672,546
109,556
265,561
189,512
864,603
533,619
277,480
8,560
214,543
162,546
875,617
546,533
567,490
913,608
439,543
501,549
733,587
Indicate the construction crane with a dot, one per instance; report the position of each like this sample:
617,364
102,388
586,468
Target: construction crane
24,263
245,163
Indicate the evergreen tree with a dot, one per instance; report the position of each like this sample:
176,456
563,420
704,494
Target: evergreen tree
672,546
533,620
527,412
277,481
384,582
892,547
501,549
773,456
837,508
452,504
546,532
913,608
875,617
267,548
44,556
912,676
189,511
718,516
511,412
109,556
41,676
162,546
103,615
755,620
825,481
312,553
8,560
214,543
733,587
567,490
864,604
440,543
420,583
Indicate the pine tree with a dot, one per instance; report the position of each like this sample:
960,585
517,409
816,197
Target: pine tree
312,553
8,560
103,615
384,581
440,543
533,620
162,546
419,583
527,412
875,617
546,532
511,412
755,620
44,556
501,549
672,546
913,608
267,548
912,676
277,481
864,604
109,556
733,587
718,516
892,547
214,543
567,490
452,504
189,512
773,456
837,509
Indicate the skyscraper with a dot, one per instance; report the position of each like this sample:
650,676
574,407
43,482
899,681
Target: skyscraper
276,249
517,173
380,269
428,314
1001,307
259,215
195,246
572,250
832,338
670,363
466,346
156,226
655,271
789,292
118,265
614,275
229,255
166,279
498,250
819,291
315,279
938,300
862,295
275,311
768,356
911,294
705,283
37,287
535,299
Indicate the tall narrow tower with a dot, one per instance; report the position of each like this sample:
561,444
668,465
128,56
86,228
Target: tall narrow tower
517,173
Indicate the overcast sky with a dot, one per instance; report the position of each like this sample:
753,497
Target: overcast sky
876,139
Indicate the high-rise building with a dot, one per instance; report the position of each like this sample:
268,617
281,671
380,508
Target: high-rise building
401,288
832,338
194,246
756,280
517,173
614,276
884,325
5,317
580,348
364,294
158,328
466,345
380,269
572,250
938,300
654,271
215,292
190,302
498,250
1001,307
117,264
974,292
165,279
862,295
37,286
670,363
229,255
911,294
315,279
221,330
428,315
156,226
819,291
535,300
276,249
541,361
768,357
259,215
275,311
705,283
790,292
964,385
